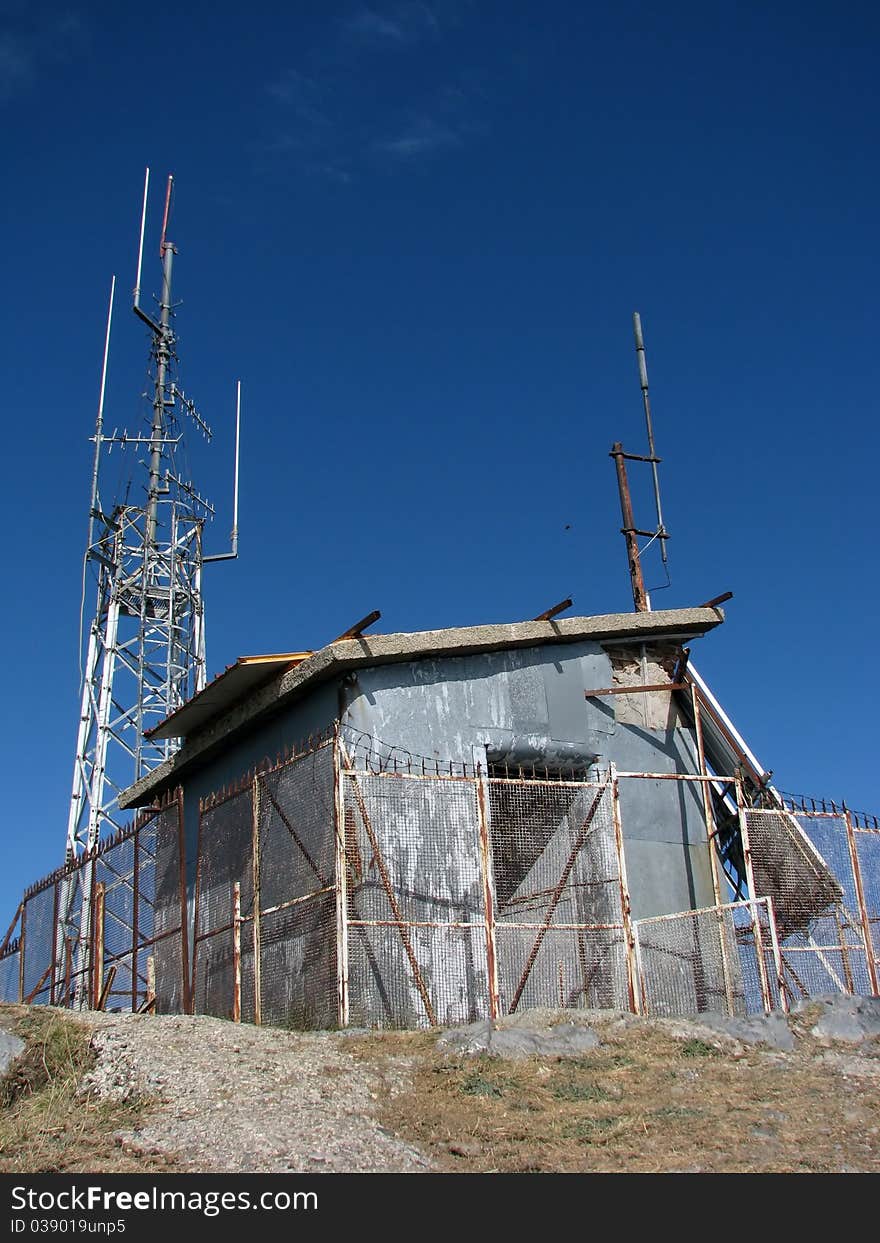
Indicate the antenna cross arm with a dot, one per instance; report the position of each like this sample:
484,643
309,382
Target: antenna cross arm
151,323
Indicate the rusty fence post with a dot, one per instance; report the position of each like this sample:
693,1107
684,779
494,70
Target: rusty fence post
150,999
750,881
22,948
97,944
257,930
777,954
236,952
632,969
68,969
711,834
488,892
184,915
855,864
341,868
135,900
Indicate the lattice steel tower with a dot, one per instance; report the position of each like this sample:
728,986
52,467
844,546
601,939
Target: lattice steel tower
145,650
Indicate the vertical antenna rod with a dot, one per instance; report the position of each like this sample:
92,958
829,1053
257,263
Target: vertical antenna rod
163,359
643,381
99,422
137,283
235,499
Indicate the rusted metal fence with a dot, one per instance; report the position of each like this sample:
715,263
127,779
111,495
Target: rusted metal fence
724,959
265,942
353,885
108,932
826,895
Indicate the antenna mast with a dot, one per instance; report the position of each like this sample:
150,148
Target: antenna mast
145,651
629,530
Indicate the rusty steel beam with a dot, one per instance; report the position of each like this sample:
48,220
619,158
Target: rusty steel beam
636,689
555,611
716,600
355,631
105,991
637,582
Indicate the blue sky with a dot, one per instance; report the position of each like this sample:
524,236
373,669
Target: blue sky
417,231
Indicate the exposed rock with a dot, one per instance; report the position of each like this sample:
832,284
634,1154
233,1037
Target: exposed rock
525,1039
10,1048
726,1034
837,1017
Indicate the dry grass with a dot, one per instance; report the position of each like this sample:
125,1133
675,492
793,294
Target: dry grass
45,1127
640,1103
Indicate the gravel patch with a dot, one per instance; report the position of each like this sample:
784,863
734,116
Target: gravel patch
236,1098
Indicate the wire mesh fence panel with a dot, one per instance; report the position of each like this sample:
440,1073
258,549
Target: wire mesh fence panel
225,859
9,976
115,871
803,860
415,900
693,962
298,964
867,847
296,828
449,986
39,945
755,937
160,910
559,912
572,968
297,857
73,979
789,868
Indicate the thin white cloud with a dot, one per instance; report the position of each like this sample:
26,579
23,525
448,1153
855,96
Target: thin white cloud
399,24
422,136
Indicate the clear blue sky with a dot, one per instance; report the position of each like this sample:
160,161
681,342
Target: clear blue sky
417,231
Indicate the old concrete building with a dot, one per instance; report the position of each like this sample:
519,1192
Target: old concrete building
516,695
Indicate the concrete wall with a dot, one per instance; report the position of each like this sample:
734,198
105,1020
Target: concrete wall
524,706
529,706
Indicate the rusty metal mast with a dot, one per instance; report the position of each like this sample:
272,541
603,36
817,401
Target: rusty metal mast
631,533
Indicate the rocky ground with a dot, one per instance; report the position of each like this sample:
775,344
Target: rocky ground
542,1091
